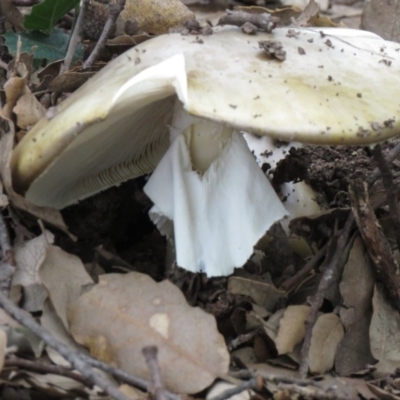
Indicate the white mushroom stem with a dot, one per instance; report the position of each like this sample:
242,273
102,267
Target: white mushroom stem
210,187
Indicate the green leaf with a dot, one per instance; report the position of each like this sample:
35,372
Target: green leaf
46,14
44,47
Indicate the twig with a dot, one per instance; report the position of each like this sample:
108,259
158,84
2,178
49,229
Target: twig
391,190
336,248
253,384
243,338
123,376
294,280
241,374
390,156
7,265
72,356
75,37
150,354
13,361
114,11
378,247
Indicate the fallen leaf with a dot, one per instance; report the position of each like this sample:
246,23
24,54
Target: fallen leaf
14,88
52,323
124,313
384,334
326,335
29,256
133,393
358,273
271,326
12,15
264,294
63,275
310,10
50,385
245,355
220,387
354,352
382,18
28,110
291,328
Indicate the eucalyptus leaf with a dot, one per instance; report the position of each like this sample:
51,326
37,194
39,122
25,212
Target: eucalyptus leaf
44,47
46,14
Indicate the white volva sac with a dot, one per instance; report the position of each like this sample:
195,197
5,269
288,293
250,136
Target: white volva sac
176,105
220,205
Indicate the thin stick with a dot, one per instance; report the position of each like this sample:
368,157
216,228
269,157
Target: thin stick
337,246
72,356
390,156
13,361
150,354
391,190
115,10
294,280
123,376
75,37
379,249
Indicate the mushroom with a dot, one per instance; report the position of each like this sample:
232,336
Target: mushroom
177,105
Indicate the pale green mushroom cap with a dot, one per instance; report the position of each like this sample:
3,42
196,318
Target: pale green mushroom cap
336,87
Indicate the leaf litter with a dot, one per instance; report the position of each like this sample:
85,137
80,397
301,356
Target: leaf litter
85,299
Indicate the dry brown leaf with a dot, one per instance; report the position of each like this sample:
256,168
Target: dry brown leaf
354,350
326,335
357,273
381,393
28,110
12,15
384,334
311,10
264,294
14,88
245,355
382,18
124,313
220,387
63,275
133,393
271,327
52,323
291,328
29,256
156,16
50,385
69,81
